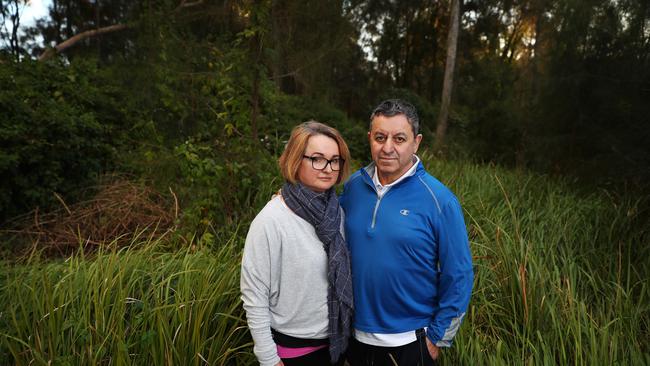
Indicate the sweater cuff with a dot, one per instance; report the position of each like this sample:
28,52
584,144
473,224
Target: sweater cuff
271,362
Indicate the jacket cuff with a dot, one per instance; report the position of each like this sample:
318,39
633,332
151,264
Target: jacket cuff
437,341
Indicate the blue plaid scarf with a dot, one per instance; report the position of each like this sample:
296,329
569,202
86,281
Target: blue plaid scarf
323,212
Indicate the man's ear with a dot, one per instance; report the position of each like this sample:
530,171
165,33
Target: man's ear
418,139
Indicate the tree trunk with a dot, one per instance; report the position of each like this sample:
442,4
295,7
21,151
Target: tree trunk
57,19
276,69
530,97
452,43
14,14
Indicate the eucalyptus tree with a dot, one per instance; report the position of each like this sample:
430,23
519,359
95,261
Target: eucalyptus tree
450,65
10,17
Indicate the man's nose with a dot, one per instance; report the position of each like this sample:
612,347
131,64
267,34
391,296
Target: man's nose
387,147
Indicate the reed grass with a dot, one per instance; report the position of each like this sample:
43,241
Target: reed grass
561,276
561,279
127,307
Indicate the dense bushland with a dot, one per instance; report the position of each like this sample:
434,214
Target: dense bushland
194,101
560,279
209,80
60,127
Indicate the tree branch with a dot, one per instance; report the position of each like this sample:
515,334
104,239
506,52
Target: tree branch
184,4
50,52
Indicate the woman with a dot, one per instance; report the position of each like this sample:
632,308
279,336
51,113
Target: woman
295,276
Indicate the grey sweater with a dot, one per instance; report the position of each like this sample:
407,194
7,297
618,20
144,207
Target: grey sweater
283,279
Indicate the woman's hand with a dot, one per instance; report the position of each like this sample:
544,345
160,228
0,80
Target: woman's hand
279,364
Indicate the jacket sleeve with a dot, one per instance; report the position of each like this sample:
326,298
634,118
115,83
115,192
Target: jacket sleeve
257,289
456,276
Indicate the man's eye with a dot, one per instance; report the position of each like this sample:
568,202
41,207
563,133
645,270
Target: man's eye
400,139
380,138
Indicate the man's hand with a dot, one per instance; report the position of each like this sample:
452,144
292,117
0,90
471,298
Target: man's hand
434,351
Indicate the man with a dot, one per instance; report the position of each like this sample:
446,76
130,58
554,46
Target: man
411,263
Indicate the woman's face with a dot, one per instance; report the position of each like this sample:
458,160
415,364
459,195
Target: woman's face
319,146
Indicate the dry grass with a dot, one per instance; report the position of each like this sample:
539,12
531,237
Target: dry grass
119,211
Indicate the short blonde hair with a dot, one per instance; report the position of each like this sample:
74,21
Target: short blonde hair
292,156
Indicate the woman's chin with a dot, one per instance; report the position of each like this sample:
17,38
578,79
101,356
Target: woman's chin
320,186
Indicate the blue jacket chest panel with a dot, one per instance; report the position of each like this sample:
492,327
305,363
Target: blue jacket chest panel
400,225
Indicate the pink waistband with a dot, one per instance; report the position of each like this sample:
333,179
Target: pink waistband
286,352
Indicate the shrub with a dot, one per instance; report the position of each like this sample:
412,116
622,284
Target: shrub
57,132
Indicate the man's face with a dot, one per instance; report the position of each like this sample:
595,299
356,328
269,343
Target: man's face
392,145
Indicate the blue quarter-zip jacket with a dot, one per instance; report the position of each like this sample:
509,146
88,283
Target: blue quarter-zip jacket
411,263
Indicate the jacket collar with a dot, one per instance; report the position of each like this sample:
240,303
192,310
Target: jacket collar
369,170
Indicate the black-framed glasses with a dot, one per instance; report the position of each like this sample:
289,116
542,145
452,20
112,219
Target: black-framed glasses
320,163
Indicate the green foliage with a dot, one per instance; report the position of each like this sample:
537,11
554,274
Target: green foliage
597,85
283,112
59,127
553,85
223,179
556,86
133,306
489,128
560,279
222,170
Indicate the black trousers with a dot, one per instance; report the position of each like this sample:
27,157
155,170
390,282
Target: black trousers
412,354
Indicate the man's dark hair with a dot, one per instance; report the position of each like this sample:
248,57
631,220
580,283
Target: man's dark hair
393,107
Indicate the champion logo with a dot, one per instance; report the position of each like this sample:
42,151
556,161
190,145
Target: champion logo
405,212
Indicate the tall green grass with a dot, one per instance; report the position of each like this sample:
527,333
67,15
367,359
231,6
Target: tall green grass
561,279
561,276
133,306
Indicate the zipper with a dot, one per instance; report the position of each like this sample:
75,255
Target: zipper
374,214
